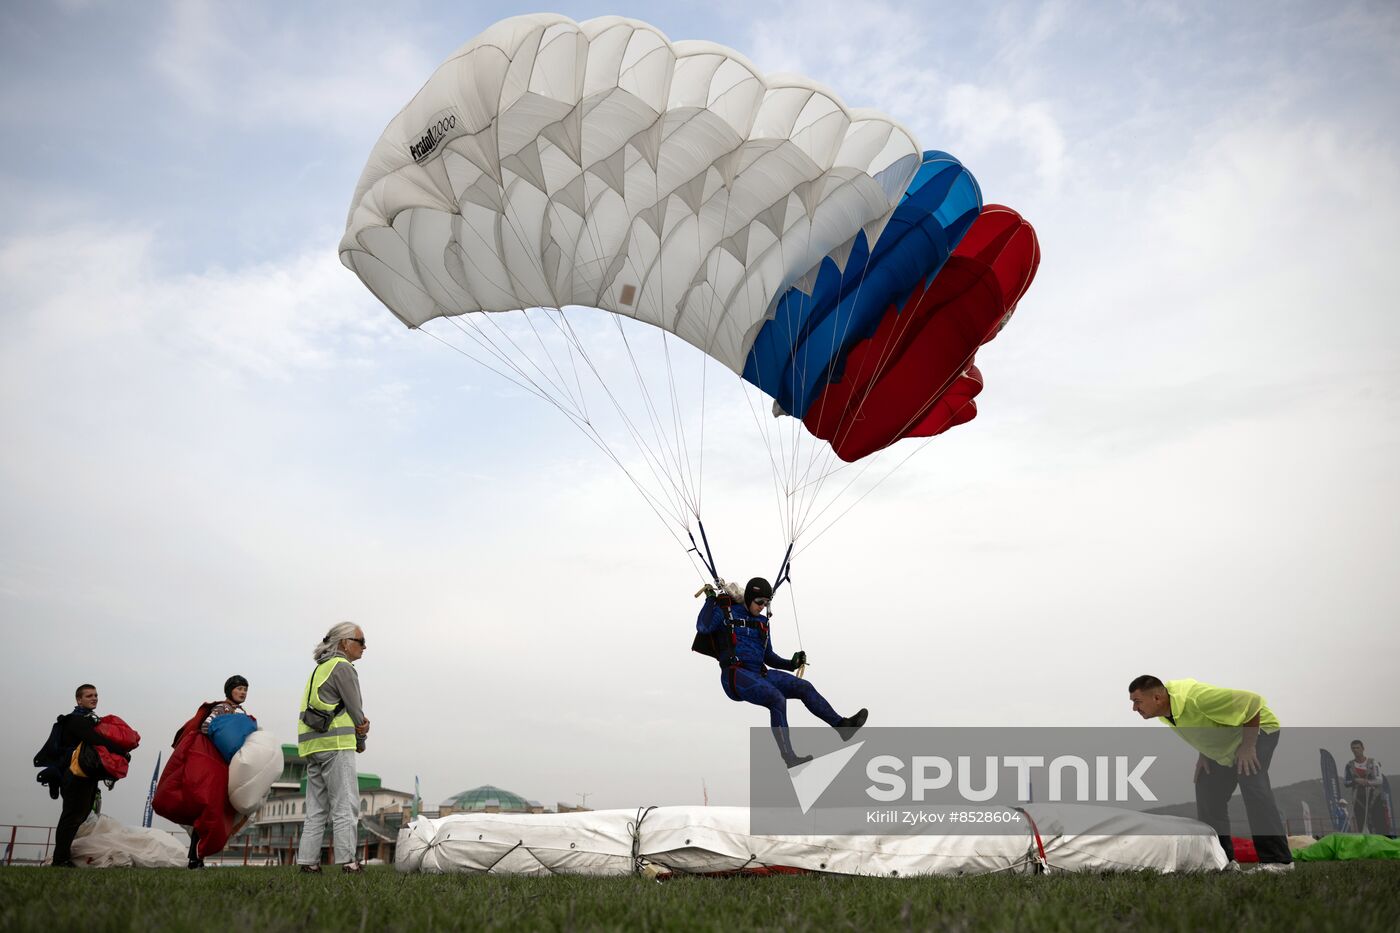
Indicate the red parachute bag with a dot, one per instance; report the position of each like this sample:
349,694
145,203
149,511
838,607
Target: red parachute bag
193,789
115,730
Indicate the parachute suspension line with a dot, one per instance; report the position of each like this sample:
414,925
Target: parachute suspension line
651,459
688,476
679,480
700,467
913,420
766,433
683,447
579,417
794,490
707,557
462,311
865,467
599,441
678,486
793,431
711,326
796,624
557,319
821,465
524,382
784,570
654,458
877,485
885,359
887,356
585,427
782,500
563,381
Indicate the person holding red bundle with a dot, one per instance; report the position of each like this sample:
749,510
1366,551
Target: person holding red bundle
83,748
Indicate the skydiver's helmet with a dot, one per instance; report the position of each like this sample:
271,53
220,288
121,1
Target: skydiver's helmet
758,588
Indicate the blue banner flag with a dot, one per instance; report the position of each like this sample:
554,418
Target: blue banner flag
151,795
1332,792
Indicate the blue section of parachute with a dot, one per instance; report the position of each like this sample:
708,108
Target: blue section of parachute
803,347
228,733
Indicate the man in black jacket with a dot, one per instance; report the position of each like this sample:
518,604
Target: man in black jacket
79,793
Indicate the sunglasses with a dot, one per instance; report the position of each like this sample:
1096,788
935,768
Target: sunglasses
358,641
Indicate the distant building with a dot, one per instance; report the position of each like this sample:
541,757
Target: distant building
489,798
272,834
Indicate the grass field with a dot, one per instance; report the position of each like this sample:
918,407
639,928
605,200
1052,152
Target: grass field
1356,897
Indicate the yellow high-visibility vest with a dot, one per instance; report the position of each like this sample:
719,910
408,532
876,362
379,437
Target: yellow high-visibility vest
341,733
1209,717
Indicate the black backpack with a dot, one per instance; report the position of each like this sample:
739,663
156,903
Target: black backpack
53,760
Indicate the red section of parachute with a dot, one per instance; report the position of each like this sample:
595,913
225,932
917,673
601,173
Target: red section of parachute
953,407
193,788
914,376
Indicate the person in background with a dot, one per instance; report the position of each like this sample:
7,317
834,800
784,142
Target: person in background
235,693
332,728
80,794
1364,776
1235,734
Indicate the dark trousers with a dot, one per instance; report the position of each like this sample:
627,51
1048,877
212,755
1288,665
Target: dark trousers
772,689
79,794
1214,790
1368,811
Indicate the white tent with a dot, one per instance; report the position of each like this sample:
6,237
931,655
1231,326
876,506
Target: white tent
703,840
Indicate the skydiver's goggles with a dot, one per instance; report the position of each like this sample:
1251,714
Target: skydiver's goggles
761,601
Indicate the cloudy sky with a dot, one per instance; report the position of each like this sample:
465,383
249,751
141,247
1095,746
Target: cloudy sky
214,442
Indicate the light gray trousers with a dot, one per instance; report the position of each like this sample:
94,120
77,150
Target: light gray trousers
333,790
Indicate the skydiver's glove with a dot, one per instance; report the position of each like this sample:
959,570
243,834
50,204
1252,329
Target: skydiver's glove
799,659
718,593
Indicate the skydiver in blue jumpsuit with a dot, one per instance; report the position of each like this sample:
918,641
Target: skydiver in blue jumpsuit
751,672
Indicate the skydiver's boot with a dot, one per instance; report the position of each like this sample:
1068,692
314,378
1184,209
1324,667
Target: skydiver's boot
792,759
850,725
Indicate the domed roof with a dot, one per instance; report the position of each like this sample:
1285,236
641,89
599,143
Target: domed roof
487,795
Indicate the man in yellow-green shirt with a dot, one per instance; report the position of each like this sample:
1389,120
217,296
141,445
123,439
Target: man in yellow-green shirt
1236,734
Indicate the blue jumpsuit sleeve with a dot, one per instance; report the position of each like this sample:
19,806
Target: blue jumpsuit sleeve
711,618
771,659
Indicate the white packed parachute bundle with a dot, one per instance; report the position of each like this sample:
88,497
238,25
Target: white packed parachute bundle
253,769
102,842
713,840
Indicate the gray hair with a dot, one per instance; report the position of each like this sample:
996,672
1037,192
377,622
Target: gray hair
328,645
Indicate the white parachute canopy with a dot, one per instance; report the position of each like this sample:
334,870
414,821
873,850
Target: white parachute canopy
564,202
550,163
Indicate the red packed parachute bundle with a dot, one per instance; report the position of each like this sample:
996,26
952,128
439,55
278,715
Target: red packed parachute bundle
193,789
101,762
914,377
115,730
